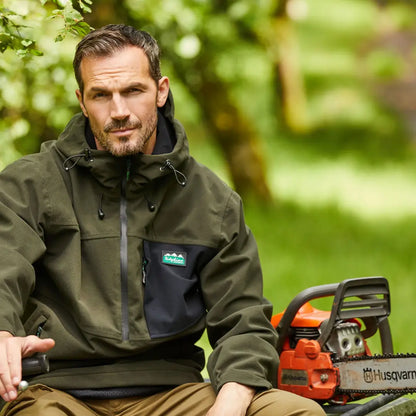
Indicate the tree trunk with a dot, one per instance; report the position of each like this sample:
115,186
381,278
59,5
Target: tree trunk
279,38
237,138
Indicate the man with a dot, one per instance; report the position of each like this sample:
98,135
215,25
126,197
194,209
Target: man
116,251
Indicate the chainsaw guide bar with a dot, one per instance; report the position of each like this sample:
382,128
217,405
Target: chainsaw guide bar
377,374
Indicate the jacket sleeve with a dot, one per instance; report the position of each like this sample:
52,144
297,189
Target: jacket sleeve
238,317
21,240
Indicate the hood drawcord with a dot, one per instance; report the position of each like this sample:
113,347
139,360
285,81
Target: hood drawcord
71,161
101,214
181,179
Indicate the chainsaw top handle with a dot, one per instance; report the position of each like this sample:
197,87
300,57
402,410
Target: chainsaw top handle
371,304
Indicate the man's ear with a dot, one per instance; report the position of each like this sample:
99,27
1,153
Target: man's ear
81,102
163,91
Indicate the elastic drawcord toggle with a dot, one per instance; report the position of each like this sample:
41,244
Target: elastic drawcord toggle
181,179
72,161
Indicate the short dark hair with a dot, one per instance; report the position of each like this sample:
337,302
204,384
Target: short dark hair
112,38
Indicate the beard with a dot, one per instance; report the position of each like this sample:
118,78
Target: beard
130,144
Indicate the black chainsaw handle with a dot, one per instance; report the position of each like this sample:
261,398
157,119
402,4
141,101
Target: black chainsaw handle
373,307
37,364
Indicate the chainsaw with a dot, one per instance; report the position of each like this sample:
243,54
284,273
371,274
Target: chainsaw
324,355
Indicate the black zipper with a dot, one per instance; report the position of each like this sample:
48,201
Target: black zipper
124,257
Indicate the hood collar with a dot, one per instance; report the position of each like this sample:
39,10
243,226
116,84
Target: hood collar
108,169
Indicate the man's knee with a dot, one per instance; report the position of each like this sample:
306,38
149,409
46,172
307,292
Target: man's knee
281,403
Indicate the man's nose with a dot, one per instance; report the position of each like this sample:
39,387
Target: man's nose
119,108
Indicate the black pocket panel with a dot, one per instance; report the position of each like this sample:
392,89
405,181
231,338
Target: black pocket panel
172,296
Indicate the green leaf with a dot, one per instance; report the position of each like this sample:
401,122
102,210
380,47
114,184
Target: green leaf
63,3
84,6
4,11
59,38
36,52
27,42
21,53
82,28
72,15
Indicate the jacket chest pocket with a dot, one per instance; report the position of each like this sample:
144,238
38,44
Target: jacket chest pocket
172,297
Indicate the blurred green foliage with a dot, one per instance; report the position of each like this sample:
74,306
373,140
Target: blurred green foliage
224,40
37,86
13,23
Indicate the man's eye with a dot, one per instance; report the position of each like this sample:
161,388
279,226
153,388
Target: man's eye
134,91
99,95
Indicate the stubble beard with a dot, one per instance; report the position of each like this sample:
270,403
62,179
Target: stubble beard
130,144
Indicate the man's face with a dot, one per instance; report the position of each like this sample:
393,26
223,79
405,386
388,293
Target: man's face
120,99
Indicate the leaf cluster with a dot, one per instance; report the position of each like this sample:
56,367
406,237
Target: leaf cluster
16,27
11,36
73,20
37,94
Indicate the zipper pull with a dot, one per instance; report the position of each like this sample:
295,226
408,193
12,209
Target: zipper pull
39,331
144,271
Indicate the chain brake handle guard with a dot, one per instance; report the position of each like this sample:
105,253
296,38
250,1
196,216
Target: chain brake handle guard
372,307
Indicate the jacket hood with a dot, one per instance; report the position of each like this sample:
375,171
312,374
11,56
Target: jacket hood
108,169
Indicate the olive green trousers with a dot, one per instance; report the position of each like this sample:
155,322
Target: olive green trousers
193,399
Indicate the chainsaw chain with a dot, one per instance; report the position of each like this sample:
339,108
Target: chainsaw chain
372,357
374,392
376,357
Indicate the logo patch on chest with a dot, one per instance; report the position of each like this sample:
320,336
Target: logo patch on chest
174,259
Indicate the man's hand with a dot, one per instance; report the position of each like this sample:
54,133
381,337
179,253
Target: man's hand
232,400
12,350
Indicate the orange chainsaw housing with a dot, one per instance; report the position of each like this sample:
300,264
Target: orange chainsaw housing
311,370
306,369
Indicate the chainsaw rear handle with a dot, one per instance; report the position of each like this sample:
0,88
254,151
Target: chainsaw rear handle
373,307
37,364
